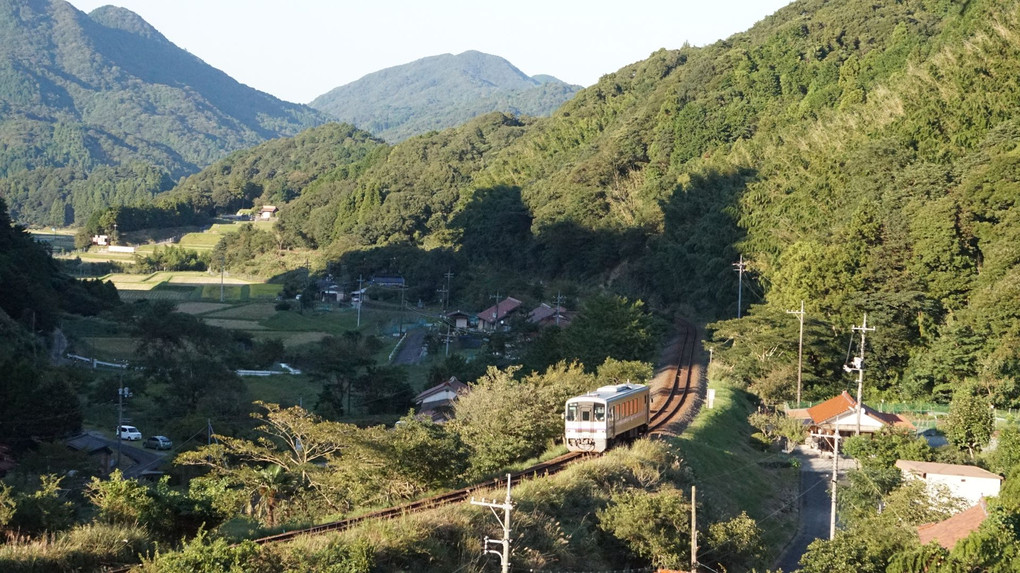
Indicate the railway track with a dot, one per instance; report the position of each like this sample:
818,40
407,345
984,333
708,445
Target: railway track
661,418
665,414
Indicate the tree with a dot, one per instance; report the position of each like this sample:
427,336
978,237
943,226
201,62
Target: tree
428,454
655,526
502,420
294,447
882,449
970,421
611,327
120,501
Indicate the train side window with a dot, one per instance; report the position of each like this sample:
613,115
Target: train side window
571,412
600,413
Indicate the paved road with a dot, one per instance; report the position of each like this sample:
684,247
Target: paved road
815,504
411,349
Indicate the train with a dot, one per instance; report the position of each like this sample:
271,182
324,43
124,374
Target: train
595,421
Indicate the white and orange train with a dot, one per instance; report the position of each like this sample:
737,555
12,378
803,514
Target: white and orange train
597,420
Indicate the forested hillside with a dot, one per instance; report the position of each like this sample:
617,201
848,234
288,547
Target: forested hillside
439,92
101,109
859,157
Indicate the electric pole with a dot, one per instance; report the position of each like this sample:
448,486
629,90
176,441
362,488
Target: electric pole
559,301
121,393
858,366
506,506
223,264
741,266
800,348
495,313
835,471
361,297
694,532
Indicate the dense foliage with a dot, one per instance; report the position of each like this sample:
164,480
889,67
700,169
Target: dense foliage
440,92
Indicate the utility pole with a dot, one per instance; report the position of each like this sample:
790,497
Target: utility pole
402,291
858,366
506,506
223,265
559,301
361,298
208,431
495,313
446,300
741,266
121,393
694,532
800,348
835,471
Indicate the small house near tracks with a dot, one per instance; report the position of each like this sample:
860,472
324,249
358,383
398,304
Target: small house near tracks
840,414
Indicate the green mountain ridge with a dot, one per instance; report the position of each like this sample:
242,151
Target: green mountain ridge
439,92
86,101
860,159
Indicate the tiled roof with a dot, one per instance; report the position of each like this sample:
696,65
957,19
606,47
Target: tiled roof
844,403
925,468
506,306
545,311
832,407
451,385
948,532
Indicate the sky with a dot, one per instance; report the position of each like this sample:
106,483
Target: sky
297,50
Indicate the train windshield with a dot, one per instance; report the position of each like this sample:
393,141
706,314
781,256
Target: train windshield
600,412
571,412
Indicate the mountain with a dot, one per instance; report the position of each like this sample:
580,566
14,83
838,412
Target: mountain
861,158
101,109
438,92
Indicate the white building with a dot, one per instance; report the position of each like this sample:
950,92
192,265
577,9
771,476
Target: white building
969,482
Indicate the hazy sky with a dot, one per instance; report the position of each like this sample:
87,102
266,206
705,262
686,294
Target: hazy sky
300,49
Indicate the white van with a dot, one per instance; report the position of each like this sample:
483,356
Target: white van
129,433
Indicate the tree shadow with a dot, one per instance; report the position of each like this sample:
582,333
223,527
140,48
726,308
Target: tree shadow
692,261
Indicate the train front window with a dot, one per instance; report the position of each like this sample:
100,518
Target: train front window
571,412
600,412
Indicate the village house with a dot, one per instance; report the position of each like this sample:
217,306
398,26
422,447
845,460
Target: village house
968,482
947,533
267,212
545,315
459,319
436,403
494,317
841,414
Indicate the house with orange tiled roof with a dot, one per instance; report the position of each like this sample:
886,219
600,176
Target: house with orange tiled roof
947,533
841,414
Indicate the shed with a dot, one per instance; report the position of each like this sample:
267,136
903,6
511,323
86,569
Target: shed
459,319
969,482
267,212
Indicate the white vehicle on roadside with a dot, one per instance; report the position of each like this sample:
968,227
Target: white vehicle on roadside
129,433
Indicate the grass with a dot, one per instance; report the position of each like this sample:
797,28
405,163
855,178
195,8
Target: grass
285,390
732,475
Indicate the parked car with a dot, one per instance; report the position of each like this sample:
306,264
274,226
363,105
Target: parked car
129,433
158,443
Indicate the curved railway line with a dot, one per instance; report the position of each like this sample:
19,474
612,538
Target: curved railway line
666,416
682,365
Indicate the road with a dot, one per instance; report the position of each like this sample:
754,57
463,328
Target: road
815,504
411,349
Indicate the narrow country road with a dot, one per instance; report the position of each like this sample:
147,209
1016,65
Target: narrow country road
815,504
